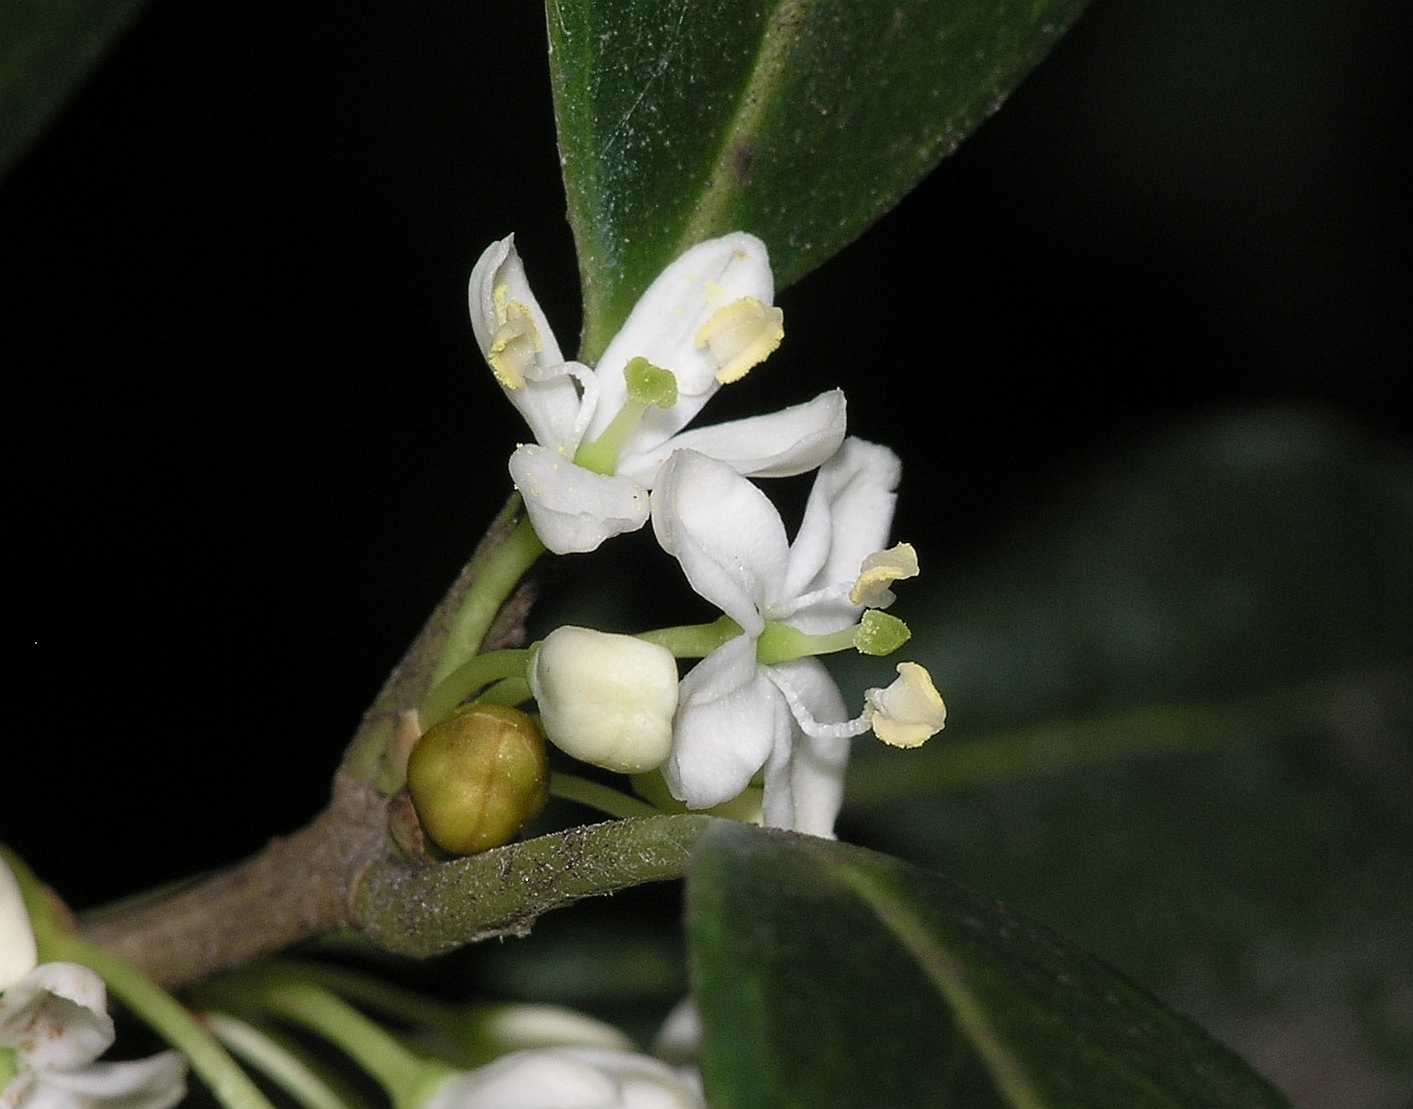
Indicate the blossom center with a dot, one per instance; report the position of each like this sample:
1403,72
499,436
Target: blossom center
648,386
740,336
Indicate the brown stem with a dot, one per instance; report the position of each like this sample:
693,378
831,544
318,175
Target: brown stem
298,886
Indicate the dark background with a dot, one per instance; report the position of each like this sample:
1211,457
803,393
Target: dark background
249,438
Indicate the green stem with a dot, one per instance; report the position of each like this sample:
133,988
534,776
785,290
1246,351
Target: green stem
230,1085
400,1072
582,791
406,1005
476,673
694,640
496,579
277,1062
507,691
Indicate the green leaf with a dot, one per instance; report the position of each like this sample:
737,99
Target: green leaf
801,121
831,975
1234,604
47,47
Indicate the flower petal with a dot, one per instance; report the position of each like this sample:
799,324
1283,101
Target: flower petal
847,518
725,533
728,715
781,444
549,401
533,1079
568,1078
664,325
571,508
17,951
56,1017
156,1082
814,776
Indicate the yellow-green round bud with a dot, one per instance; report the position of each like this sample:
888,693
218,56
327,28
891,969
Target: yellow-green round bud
478,777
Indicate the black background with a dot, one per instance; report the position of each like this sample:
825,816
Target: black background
250,439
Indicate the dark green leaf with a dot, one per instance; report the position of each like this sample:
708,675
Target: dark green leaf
801,121
1237,604
831,975
46,48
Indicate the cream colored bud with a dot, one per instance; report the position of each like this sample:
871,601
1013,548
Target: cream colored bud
910,711
606,699
478,777
17,950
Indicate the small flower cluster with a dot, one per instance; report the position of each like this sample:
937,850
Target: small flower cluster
54,1024
612,451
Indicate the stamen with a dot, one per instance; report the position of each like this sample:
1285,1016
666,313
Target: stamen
515,343
910,711
845,729
740,336
588,383
878,570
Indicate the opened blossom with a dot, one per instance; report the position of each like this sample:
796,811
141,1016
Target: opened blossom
602,434
54,1020
758,702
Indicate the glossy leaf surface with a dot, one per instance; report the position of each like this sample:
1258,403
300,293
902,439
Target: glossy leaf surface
831,975
801,121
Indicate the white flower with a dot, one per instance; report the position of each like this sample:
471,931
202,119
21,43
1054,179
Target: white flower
734,714
54,1017
707,319
569,1078
606,699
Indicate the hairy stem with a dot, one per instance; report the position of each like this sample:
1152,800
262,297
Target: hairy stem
428,910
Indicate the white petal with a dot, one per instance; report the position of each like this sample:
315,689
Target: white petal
551,404
663,329
847,518
542,1078
679,1040
17,950
152,1083
56,1016
727,716
571,508
725,533
781,444
568,1078
816,770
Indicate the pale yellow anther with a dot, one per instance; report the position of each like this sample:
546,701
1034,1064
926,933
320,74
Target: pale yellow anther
515,343
910,711
740,336
878,571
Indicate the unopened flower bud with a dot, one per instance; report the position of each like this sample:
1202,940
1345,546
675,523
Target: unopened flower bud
478,777
606,699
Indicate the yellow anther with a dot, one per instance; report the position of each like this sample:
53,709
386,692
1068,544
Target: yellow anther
515,343
910,711
878,571
740,336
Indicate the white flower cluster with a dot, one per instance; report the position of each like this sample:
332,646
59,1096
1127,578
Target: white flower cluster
611,451
54,1022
